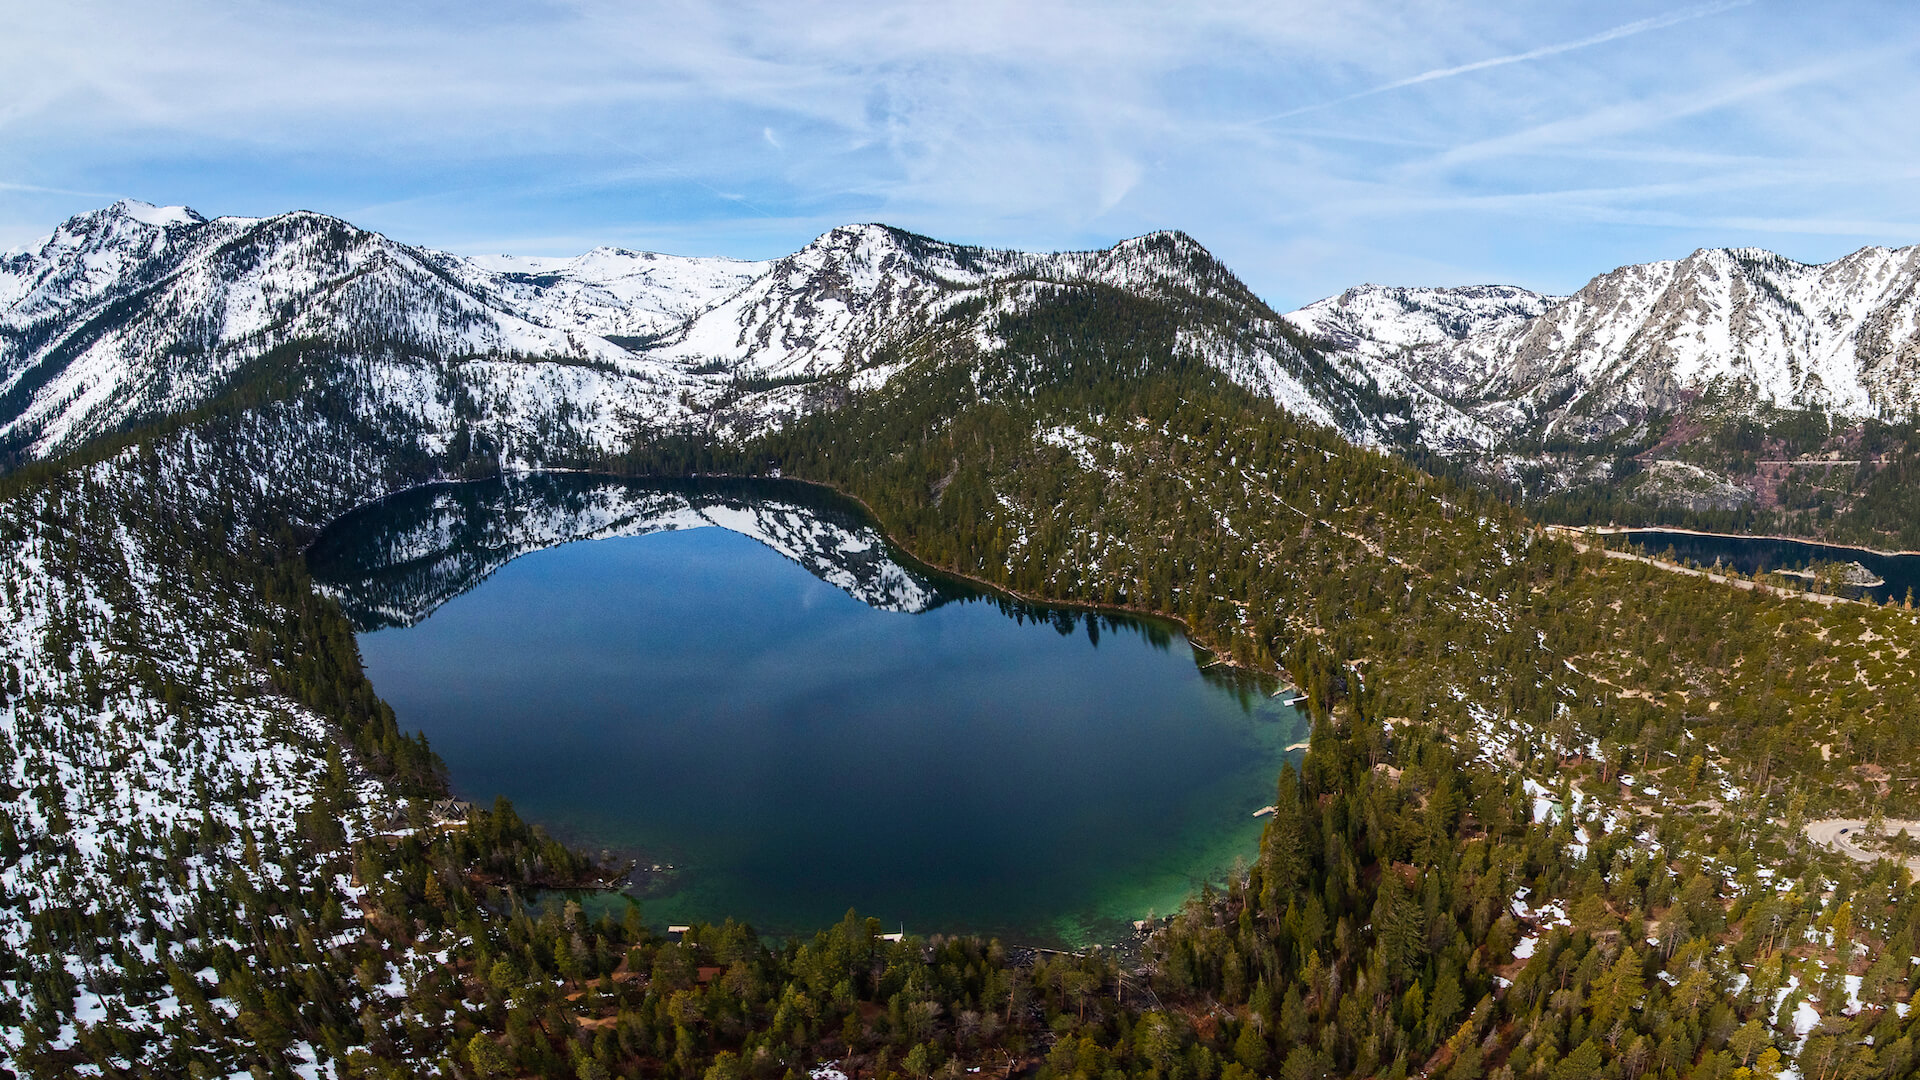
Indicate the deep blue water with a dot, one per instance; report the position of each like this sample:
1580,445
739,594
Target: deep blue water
1749,554
694,698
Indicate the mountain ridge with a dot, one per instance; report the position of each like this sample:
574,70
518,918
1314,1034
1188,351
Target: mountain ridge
134,312
1631,345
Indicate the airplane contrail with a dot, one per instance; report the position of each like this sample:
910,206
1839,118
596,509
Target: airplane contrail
1639,26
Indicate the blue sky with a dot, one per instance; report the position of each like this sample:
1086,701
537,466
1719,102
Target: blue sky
1312,146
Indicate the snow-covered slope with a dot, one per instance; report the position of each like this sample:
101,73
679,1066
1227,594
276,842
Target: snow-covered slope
845,296
636,294
849,302
1840,337
135,312
1384,323
1746,326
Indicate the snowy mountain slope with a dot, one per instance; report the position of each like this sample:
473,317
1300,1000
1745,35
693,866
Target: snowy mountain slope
116,319
1746,322
1380,323
849,305
845,296
608,290
162,763
856,290
1745,325
134,312
446,540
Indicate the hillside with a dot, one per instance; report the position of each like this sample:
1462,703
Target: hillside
1733,388
220,853
134,313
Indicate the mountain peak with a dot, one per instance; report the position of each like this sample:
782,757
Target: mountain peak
876,238
1161,238
159,216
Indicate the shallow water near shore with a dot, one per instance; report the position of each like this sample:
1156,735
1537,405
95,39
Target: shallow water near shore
746,684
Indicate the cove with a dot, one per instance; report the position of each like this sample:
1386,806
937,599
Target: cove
744,681
1749,554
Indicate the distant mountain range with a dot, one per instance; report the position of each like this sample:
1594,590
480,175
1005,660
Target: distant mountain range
134,312
1641,342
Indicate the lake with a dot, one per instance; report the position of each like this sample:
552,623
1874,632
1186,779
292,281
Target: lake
744,682
1749,554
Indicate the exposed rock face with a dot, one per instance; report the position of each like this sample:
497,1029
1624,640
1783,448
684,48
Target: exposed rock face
136,312
1685,486
1742,326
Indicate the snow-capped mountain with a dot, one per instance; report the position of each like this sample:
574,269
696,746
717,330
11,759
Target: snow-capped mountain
136,312
1382,323
1747,326
843,297
429,545
607,291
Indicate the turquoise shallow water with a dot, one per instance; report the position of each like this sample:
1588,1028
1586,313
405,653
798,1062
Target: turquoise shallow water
694,698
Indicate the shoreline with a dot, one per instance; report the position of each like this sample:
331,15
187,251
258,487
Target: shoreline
1219,657
1186,631
1111,934
1615,530
1583,543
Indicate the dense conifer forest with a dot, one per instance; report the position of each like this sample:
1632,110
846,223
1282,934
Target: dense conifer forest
1550,823
1805,474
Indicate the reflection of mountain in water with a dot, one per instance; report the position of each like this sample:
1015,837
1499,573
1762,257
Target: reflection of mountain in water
395,562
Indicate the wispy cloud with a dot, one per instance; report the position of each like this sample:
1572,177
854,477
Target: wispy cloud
1521,146
1612,120
1624,30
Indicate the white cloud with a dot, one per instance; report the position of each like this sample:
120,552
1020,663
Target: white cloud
1542,52
1542,139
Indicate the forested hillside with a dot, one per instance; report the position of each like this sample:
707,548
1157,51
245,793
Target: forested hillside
1768,471
1550,823
1731,389
1457,653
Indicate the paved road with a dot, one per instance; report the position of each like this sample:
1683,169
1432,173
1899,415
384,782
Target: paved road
1843,834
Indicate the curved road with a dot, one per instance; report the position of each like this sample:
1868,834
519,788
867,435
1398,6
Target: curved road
1843,834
